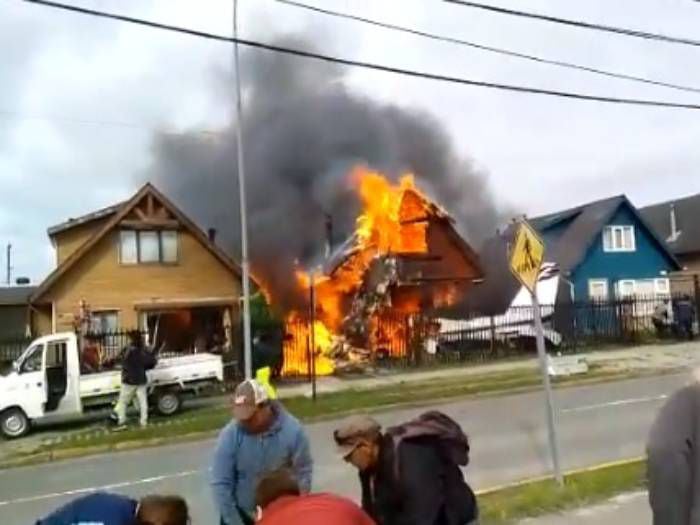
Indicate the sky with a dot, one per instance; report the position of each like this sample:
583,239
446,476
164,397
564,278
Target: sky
81,98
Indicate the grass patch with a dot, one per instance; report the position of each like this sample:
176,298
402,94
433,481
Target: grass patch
545,497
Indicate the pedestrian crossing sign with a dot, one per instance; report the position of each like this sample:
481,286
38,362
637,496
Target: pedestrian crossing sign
526,256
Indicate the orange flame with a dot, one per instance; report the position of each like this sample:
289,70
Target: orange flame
393,220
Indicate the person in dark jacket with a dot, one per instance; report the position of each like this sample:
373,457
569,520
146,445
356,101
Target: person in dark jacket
411,481
101,508
673,463
136,360
685,315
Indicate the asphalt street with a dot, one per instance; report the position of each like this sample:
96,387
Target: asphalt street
508,435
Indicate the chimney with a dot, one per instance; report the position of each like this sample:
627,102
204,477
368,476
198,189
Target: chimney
211,233
674,225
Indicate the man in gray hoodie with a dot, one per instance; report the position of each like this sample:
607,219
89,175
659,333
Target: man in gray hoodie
262,437
673,463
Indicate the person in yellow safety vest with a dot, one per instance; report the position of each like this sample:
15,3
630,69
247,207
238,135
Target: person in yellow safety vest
262,376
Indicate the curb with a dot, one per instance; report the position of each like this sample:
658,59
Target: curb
572,472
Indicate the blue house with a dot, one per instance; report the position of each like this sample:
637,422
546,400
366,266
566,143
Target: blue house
605,249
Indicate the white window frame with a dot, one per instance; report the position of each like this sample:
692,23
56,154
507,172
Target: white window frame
594,282
620,285
662,286
160,234
609,235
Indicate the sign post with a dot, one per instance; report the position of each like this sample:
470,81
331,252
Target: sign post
525,261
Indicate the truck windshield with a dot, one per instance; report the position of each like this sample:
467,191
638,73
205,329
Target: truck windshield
30,361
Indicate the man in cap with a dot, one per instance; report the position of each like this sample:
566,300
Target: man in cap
410,475
262,437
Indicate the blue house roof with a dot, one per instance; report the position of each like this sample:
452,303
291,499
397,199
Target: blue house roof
568,234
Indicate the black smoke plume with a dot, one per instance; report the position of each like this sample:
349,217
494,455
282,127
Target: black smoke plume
304,130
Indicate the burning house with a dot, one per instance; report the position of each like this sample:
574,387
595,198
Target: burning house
404,259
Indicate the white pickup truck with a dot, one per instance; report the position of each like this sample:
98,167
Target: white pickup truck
45,384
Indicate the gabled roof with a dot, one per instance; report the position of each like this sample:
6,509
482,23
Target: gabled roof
581,227
16,295
584,225
122,212
84,219
687,211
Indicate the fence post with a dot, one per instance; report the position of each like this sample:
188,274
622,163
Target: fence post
696,290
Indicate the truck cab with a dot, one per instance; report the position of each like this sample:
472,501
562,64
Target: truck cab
46,384
43,382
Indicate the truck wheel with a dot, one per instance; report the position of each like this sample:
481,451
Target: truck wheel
168,402
14,423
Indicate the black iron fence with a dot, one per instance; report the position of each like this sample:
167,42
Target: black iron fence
394,339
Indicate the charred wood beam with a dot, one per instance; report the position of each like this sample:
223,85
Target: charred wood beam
420,257
415,220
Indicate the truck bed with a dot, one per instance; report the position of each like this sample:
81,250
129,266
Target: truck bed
169,370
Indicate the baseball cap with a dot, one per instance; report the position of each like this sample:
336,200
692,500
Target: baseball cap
352,430
246,399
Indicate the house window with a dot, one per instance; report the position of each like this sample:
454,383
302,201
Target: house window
598,289
643,288
104,322
168,243
625,288
148,247
128,247
619,239
662,286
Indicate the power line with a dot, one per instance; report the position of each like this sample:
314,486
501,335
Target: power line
491,49
367,65
577,23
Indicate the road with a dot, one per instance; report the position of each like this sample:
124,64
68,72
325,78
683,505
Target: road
596,424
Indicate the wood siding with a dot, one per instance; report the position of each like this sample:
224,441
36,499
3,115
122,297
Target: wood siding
69,241
105,284
682,282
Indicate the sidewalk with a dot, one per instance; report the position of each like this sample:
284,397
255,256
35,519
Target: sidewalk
662,357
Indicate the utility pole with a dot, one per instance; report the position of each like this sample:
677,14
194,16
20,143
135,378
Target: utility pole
245,262
9,264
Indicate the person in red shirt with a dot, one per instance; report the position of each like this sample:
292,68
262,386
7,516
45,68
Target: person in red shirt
280,503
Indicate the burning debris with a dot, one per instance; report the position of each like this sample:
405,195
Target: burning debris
405,257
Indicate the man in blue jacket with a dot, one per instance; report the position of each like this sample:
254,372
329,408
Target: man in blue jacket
262,437
101,508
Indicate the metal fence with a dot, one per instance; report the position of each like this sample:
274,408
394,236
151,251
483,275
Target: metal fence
396,340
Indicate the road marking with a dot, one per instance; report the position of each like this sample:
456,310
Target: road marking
111,486
617,403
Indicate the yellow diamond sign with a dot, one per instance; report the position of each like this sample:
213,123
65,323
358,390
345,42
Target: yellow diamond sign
526,256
